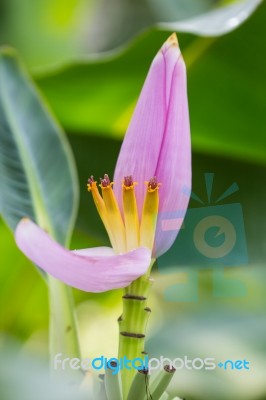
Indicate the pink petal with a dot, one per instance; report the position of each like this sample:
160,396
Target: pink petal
95,251
157,142
174,165
91,273
141,147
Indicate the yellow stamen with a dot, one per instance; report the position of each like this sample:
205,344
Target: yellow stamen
130,214
92,187
149,214
128,234
115,220
101,208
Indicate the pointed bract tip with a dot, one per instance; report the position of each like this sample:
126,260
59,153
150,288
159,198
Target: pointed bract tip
172,40
24,220
171,43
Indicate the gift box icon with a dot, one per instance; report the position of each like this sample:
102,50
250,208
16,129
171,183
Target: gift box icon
212,235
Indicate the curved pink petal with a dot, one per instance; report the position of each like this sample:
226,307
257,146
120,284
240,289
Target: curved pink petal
95,251
157,142
142,143
91,273
174,165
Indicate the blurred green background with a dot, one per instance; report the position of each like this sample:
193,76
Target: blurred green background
90,65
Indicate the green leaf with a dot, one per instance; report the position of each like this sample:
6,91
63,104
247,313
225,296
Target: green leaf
226,83
67,29
45,31
24,307
213,22
37,173
38,180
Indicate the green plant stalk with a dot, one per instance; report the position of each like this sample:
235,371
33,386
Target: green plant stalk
176,398
63,328
113,384
132,325
139,387
63,333
165,396
160,382
100,391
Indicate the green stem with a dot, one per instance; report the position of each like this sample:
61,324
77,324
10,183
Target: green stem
160,382
63,328
113,383
132,325
139,387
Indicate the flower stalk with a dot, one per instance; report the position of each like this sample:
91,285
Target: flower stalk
160,382
113,383
139,388
133,324
63,326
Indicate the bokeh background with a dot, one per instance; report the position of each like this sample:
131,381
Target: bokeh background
90,59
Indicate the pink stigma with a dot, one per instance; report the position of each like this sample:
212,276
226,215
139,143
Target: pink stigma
91,180
128,181
105,181
153,183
